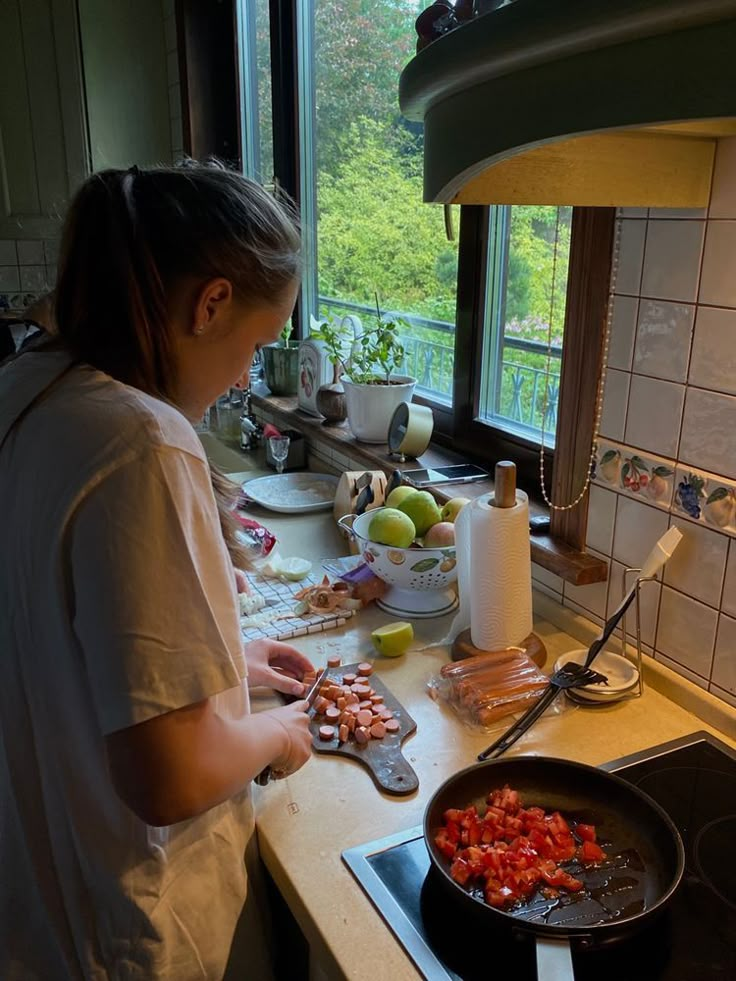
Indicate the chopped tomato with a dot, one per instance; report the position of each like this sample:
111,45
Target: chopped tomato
591,852
586,832
444,844
512,851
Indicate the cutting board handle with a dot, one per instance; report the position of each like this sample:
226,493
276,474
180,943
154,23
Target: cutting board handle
395,775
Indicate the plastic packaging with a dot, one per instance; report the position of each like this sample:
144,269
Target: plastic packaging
257,542
488,687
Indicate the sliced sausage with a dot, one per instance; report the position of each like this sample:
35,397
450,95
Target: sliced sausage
326,733
365,668
378,730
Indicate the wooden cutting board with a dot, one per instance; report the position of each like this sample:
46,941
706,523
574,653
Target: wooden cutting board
382,758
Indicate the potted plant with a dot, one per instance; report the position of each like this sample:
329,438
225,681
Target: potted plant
281,363
370,375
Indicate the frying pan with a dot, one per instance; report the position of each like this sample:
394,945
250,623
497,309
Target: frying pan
645,866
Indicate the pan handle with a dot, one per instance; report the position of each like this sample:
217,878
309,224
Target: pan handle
554,960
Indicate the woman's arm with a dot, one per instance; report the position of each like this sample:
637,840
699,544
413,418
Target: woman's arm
184,762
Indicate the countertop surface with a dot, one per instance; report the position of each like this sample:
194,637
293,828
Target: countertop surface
305,821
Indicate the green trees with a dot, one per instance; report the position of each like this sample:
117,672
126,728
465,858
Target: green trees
374,233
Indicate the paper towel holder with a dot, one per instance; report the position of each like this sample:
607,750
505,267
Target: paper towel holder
504,496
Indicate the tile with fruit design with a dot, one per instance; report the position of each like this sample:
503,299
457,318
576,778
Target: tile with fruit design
646,477
705,498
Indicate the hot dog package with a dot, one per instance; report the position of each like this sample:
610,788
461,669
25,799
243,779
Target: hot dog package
486,688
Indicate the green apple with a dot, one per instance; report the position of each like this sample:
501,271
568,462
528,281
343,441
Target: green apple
451,510
398,495
389,526
422,508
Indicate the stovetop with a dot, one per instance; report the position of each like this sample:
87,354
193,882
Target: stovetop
694,780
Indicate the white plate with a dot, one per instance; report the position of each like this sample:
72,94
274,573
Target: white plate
621,674
293,493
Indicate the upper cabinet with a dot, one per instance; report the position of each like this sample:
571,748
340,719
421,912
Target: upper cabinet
577,102
43,130
83,87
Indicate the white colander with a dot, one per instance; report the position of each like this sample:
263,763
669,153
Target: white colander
420,578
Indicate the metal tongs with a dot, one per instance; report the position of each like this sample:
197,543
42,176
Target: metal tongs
267,773
572,675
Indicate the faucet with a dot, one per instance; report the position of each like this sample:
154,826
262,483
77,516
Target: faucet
251,430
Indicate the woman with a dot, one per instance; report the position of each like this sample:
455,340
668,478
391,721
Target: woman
126,746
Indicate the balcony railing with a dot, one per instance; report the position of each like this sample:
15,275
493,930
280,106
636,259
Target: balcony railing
522,389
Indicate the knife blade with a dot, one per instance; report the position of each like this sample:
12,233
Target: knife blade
266,773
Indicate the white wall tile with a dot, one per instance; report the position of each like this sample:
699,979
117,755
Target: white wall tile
672,213
592,597
9,279
649,594
631,255
547,578
615,401
687,631
718,282
542,587
638,528
723,694
724,660
623,332
698,564
654,415
723,195
632,212
175,102
170,32
663,339
672,260
51,251
8,253
729,586
709,432
172,67
713,361
584,612
682,670
33,278
177,137
601,519
30,252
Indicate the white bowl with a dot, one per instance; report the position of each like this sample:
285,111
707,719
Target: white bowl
420,578
621,673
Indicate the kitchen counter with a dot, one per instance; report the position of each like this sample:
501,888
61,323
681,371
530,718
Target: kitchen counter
305,821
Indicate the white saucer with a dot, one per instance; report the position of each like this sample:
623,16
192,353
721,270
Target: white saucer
621,673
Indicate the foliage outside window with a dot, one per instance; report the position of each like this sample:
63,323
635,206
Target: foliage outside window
362,162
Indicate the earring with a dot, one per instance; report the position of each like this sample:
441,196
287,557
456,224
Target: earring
199,330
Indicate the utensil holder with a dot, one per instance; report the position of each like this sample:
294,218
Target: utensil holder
637,633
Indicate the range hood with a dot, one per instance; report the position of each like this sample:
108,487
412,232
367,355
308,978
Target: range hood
577,102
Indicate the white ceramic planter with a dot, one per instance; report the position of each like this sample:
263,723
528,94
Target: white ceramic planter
370,407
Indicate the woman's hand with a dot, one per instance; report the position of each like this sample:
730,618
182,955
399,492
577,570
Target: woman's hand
241,581
276,665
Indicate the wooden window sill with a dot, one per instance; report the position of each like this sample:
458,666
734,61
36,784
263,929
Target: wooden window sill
578,568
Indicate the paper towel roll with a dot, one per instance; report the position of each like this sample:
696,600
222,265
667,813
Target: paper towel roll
494,573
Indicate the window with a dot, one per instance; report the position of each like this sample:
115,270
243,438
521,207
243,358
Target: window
256,104
481,308
525,317
371,232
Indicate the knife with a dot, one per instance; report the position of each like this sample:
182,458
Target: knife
266,773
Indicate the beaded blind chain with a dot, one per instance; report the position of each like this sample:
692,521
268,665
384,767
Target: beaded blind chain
601,380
